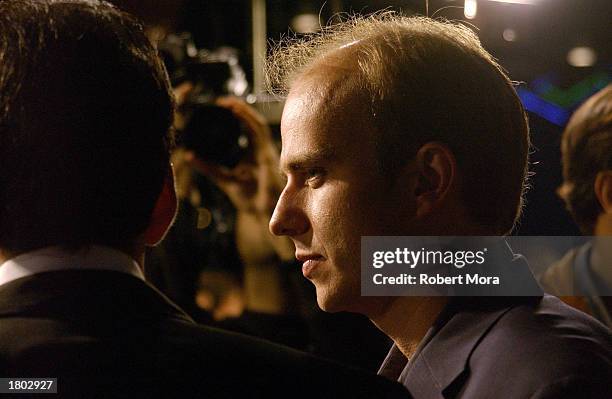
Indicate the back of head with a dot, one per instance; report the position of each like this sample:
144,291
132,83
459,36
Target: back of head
428,80
586,149
85,111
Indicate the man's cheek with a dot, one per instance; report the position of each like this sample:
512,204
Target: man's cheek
327,207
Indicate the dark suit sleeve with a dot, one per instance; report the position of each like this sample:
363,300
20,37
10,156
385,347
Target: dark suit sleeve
576,387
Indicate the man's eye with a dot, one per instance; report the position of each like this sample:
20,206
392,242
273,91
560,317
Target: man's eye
314,176
312,172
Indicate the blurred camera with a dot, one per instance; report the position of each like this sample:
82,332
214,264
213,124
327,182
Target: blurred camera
212,132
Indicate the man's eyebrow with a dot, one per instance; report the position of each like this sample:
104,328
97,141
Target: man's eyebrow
301,160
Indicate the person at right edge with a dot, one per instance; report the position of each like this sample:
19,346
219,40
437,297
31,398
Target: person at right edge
586,149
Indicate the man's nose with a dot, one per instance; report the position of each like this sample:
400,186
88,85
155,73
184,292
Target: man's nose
288,218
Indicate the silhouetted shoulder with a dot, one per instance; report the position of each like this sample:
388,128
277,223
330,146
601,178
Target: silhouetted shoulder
108,334
274,369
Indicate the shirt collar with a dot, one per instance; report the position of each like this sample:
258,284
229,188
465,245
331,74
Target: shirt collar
94,257
397,366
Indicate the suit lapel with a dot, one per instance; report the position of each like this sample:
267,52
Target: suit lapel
447,347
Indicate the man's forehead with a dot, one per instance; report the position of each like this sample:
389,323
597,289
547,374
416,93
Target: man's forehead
317,90
325,93
324,114
298,158
314,121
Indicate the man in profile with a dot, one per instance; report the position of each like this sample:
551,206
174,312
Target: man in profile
586,148
85,185
407,127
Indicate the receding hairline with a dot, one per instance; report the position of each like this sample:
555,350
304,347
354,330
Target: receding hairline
393,52
328,93
292,55
333,82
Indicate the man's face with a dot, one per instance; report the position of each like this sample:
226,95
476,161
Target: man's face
335,192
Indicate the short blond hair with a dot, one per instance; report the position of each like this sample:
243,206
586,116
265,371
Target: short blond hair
427,80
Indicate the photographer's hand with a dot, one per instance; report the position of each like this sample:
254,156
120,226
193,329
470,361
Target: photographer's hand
253,186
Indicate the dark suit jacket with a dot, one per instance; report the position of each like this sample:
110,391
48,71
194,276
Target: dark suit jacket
108,334
486,347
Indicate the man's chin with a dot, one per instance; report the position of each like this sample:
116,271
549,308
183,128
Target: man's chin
326,307
331,304
346,303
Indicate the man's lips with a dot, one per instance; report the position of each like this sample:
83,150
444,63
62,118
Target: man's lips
310,263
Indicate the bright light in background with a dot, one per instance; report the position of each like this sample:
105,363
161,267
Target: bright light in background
581,57
516,1
509,35
305,23
470,8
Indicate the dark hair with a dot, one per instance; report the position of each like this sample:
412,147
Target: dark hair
429,80
85,116
586,149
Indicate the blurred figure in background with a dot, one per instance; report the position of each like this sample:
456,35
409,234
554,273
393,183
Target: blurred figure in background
586,150
203,237
239,199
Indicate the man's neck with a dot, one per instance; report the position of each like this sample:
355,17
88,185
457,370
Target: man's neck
603,225
406,320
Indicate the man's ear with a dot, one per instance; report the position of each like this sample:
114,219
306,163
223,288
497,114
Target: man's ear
603,190
164,212
436,174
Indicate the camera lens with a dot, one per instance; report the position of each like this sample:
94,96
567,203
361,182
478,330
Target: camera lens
215,135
